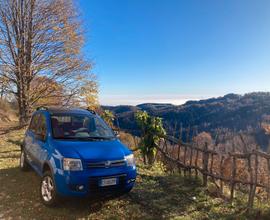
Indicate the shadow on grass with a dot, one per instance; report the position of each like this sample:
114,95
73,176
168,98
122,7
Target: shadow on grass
175,196
166,196
16,142
7,130
9,156
154,197
9,151
19,196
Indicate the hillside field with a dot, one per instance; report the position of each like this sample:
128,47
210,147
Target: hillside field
157,195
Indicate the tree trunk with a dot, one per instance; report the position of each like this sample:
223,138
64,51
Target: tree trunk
151,157
40,45
144,159
24,115
23,105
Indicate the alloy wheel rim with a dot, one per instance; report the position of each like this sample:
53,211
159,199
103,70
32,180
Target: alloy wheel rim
47,188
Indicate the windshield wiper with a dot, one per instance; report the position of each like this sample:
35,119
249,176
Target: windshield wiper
95,138
85,138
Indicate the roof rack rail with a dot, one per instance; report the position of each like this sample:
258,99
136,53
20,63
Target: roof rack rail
41,108
91,110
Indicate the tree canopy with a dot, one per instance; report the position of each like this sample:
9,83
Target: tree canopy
40,52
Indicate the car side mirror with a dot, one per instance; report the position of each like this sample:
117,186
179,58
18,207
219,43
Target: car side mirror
116,133
40,137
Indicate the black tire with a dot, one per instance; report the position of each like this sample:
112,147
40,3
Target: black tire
128,190
24,166
54,198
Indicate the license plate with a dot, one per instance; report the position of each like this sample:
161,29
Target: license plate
108,182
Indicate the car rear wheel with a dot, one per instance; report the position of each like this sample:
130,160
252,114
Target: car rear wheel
23,162
48,192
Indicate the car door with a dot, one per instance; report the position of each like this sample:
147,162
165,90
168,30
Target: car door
29,141
40,141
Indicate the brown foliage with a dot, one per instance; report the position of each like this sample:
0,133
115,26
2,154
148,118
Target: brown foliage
232,159
202,138
129,140
40,40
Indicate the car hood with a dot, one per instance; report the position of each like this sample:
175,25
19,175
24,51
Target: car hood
92,150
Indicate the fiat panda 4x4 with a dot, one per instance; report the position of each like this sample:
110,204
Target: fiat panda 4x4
76,154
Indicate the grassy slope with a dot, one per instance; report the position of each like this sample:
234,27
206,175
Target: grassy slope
157,195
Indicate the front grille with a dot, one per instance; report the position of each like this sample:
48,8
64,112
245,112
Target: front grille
95,188
106,164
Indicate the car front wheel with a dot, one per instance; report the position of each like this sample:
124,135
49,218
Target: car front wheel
48,192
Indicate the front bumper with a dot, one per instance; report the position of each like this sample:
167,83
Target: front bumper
86,182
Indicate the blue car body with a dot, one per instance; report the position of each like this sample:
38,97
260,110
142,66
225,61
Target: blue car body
101,159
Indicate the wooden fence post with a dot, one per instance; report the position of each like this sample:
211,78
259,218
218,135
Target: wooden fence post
208,168
196,163
205,164
178,156
254,183
190,159
184,161
232,182
268,178
221,170
212,160
250,180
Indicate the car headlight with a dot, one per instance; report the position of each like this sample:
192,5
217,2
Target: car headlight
130,160
72,164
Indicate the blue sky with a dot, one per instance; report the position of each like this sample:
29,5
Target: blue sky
176,50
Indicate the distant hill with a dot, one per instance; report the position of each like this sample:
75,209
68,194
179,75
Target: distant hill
232,111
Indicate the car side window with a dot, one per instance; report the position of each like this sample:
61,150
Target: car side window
34,123
42,127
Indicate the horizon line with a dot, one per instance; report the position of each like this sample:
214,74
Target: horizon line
115,100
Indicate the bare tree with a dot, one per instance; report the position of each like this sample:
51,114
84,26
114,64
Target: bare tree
40,39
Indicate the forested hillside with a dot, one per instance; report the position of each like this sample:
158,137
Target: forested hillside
232,111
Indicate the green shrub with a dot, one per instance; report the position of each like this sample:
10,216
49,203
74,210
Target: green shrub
151,132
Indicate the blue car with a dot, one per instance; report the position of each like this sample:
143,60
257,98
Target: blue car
76,154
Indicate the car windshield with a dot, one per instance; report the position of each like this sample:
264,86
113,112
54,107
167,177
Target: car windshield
82,127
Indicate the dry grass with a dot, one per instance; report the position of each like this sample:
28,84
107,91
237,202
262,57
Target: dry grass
157,195
7,113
